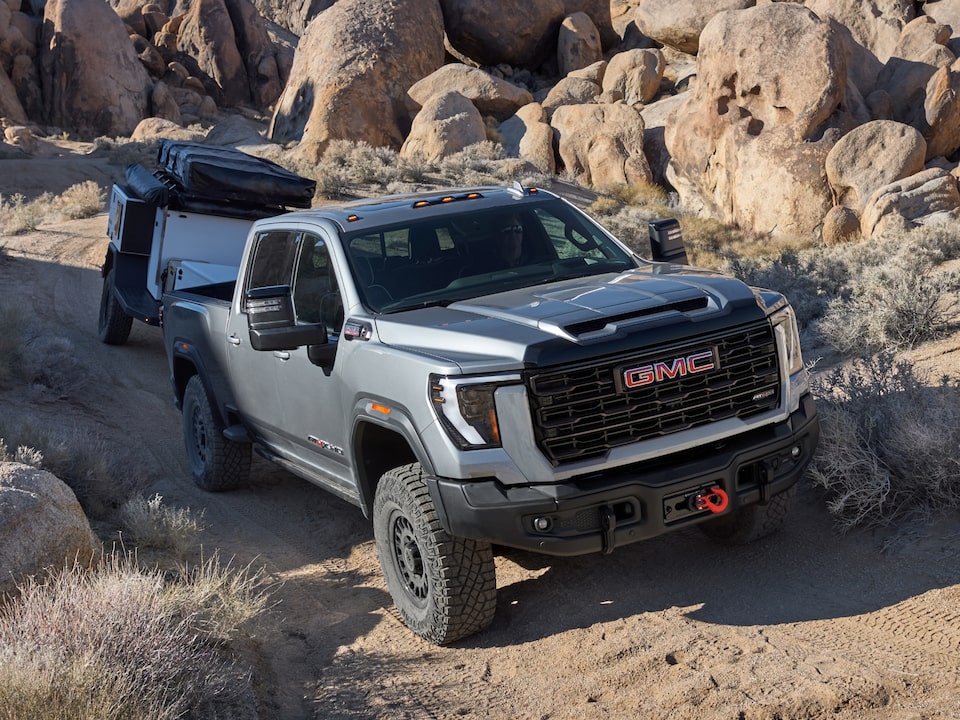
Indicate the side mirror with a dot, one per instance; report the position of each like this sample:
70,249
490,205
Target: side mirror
271,323
666,241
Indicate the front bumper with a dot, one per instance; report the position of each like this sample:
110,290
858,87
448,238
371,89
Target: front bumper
601,511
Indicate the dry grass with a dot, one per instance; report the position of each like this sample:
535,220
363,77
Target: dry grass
889,442
150,523
120,641
19,215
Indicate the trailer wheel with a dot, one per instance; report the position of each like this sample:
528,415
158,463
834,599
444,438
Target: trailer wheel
752,522
113,326
444,587
217,464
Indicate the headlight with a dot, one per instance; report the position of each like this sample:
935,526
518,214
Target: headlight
466,409
785,325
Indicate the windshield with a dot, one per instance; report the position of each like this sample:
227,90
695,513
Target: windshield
441,260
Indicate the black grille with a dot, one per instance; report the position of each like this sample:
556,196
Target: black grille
579,413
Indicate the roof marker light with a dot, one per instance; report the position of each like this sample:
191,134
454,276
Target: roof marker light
352,218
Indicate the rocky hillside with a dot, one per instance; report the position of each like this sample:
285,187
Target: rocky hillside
832,117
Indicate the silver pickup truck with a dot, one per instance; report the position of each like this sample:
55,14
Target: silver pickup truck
490,366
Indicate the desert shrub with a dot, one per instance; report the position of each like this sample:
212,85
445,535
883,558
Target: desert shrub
52,367
150,523
19,215
79,201
890,442
119,641
100,475
22,454
897,304
478,164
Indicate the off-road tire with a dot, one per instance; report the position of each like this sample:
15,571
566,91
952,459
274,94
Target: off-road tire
444,587
752,522
217,464
113,324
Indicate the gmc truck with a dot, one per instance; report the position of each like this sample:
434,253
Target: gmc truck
490,366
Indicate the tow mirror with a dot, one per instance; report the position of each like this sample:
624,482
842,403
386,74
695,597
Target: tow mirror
666,241
271,323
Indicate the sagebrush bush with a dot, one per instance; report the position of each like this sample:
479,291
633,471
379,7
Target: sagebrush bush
889,442
897,305
119,641
19,215
79,201
151,523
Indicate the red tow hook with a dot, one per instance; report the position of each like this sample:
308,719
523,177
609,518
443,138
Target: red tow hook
715,500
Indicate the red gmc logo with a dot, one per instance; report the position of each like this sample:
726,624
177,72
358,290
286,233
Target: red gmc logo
669,370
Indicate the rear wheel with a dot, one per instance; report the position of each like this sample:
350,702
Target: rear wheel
444,587
752,522
113,324
216,463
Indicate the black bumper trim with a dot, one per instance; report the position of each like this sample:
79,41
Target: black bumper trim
646,499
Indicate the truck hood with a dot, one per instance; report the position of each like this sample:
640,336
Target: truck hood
513,328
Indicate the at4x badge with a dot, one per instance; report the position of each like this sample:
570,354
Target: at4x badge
633,377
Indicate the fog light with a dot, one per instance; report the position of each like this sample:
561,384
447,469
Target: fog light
795,452
542,524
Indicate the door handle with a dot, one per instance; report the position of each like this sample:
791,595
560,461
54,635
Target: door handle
282,354
233,339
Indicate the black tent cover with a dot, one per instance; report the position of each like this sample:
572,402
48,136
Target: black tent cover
218,174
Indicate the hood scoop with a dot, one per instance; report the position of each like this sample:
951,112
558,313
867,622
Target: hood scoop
603,326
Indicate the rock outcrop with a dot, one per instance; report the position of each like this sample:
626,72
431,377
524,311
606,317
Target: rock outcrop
352,70
41,524
749,144
602,145
871,156
491,95
92,82
445,125
678,23
927,198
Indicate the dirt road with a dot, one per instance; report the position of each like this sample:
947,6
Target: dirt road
806,624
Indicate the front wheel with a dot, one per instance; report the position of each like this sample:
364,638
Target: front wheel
752,522
444,587
216,463
113,324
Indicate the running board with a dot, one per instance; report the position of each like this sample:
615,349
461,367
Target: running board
324,481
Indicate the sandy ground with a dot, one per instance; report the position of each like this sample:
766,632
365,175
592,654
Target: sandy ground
805,624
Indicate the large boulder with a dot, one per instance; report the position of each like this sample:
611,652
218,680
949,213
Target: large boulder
921,50
636,74
872,28
656,117
527,135
445,125
602,145
41,525
208,45
928,198
678,23
599,12
571,90
871,156
749,144
578,43
292,16
10,106
352,70
946,12
491,95
941,107
491,32
265,78
92,82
